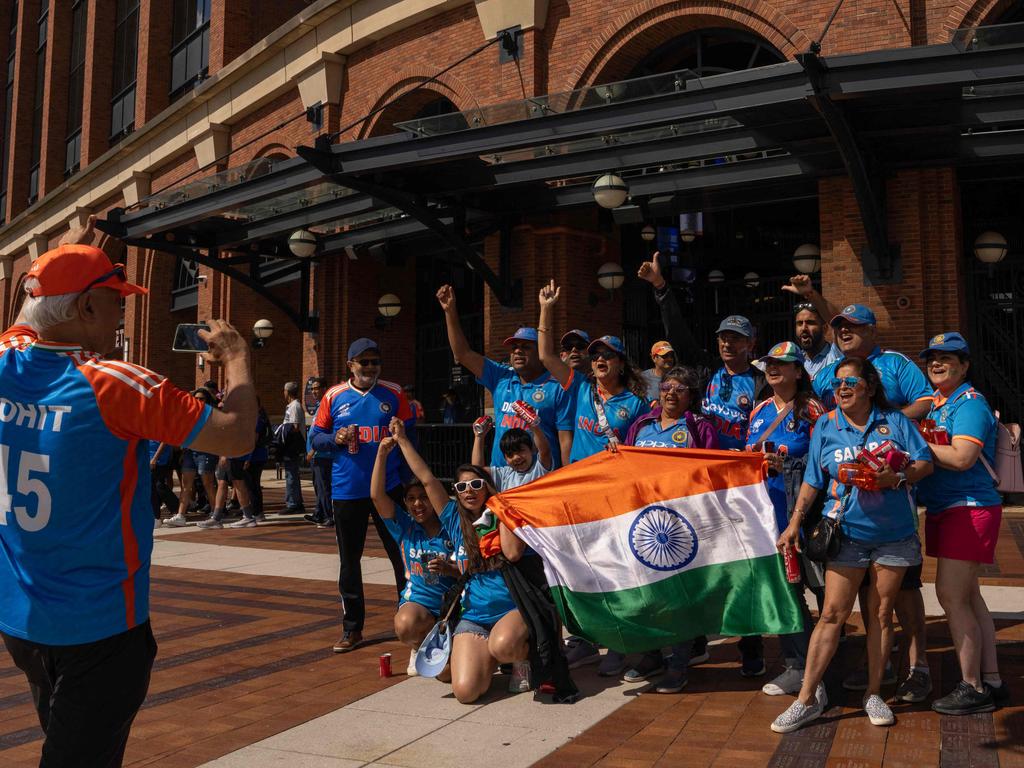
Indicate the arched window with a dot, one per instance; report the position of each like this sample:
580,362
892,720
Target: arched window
709,52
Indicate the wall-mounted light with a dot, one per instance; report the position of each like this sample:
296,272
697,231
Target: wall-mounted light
751,279
389,305
610,276
807,259
990,248
261,331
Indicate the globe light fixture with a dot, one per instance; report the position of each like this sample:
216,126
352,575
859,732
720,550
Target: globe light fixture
302,243
990,248
648,234
752,279
610,191
716,276
389,305
261,331
807,259
687,235
610,276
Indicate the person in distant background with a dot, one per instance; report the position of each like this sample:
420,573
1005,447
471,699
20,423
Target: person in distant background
417,407
454,412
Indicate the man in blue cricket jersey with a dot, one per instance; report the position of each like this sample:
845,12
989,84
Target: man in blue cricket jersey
350,423
812,335
76,525
524,378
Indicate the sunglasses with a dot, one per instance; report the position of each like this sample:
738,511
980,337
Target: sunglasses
369,362
115,272
677,388
578,347
464,485
603,353
846,381
804,305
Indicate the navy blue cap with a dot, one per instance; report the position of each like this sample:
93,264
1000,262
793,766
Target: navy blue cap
857,314
578,333
614,343
359,346
737,324
947,342
523,334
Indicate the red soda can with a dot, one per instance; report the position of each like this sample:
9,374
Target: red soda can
525,411
353,442
768,446
940,436
385,665
483,425
871,459
792,565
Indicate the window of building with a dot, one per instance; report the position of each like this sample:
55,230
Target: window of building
42,27
185,290
190,44
126,54
12,49
76,88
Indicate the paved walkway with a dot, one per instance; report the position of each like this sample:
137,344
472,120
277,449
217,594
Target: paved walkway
245,677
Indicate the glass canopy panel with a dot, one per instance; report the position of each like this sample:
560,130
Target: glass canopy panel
993,36
251,170
554,103
293,200
349,223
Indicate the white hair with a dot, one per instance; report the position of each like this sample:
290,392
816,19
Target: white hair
44,312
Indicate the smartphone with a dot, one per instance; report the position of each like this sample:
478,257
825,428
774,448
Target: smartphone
186,338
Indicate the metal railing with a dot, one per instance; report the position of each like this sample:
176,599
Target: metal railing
444,447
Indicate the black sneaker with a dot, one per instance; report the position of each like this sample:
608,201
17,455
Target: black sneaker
753,666
699,651
1000,695
650,665
965,700
311,519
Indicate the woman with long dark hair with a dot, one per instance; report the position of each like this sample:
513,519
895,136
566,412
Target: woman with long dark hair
877,520
491,630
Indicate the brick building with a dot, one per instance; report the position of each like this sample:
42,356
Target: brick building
158,105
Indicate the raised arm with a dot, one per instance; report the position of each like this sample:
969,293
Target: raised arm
378,480
565,445
677,330
480,430
512,547
435,489
543,446
801,286
457,340
231,429
548,297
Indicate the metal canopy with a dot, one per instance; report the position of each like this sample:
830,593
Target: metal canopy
709,142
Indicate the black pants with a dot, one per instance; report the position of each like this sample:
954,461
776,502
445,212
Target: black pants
253,479
351,520
160,491
87,695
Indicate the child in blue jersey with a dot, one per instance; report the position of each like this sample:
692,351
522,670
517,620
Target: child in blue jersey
877,521
491,629
964,510
609,400
783,423
426,550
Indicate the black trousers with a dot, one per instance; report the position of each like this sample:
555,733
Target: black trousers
253,479
87,695
160,491
351,521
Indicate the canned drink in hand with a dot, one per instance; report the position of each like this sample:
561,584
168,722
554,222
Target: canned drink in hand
792,565
483,425
353,442
526,412
870,459
768,446
940,436
428,576
385,665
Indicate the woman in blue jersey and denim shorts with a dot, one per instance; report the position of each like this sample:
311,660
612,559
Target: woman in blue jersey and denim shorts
426,551
193,463
877,519
491,630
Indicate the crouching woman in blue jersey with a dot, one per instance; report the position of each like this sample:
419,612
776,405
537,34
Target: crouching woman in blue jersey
491,630
425,548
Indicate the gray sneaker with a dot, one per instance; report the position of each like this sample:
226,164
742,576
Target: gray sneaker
858,679
650,665
245,522
612,665
916,687
878,711
211,522
797,716
579,652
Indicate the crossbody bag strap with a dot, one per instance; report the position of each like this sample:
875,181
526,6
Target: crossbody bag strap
602,421
981,456
778,419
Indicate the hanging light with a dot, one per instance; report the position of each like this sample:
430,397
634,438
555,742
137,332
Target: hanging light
687,235
389,305
610,276
990,247
691,225
648,234
752,279
302,243
261,331
807,259
610,191
716,276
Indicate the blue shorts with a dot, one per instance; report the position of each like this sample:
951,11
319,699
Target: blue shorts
197,461
860,554
465,626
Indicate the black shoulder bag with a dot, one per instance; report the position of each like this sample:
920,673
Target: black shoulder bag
826,538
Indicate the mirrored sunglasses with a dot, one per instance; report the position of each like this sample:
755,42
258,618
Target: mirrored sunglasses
846,381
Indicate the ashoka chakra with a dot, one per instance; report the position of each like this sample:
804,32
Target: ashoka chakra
663,539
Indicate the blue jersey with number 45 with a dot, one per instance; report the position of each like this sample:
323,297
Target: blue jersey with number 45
76,526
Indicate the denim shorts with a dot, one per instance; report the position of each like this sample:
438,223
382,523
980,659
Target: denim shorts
197,461
860,554
465,626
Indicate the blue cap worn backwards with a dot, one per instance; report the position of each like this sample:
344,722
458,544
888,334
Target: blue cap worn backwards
857,314
947,342
359,346
737,324
523,334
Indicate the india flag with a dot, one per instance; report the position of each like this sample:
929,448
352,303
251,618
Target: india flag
646,547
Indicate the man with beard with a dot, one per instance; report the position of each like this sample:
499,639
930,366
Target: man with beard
524,378
350,423
811,331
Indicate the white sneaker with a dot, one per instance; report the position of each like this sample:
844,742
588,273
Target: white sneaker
245,522
410,671
176,521
878,711
785,684
211,522
797,716
520,680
